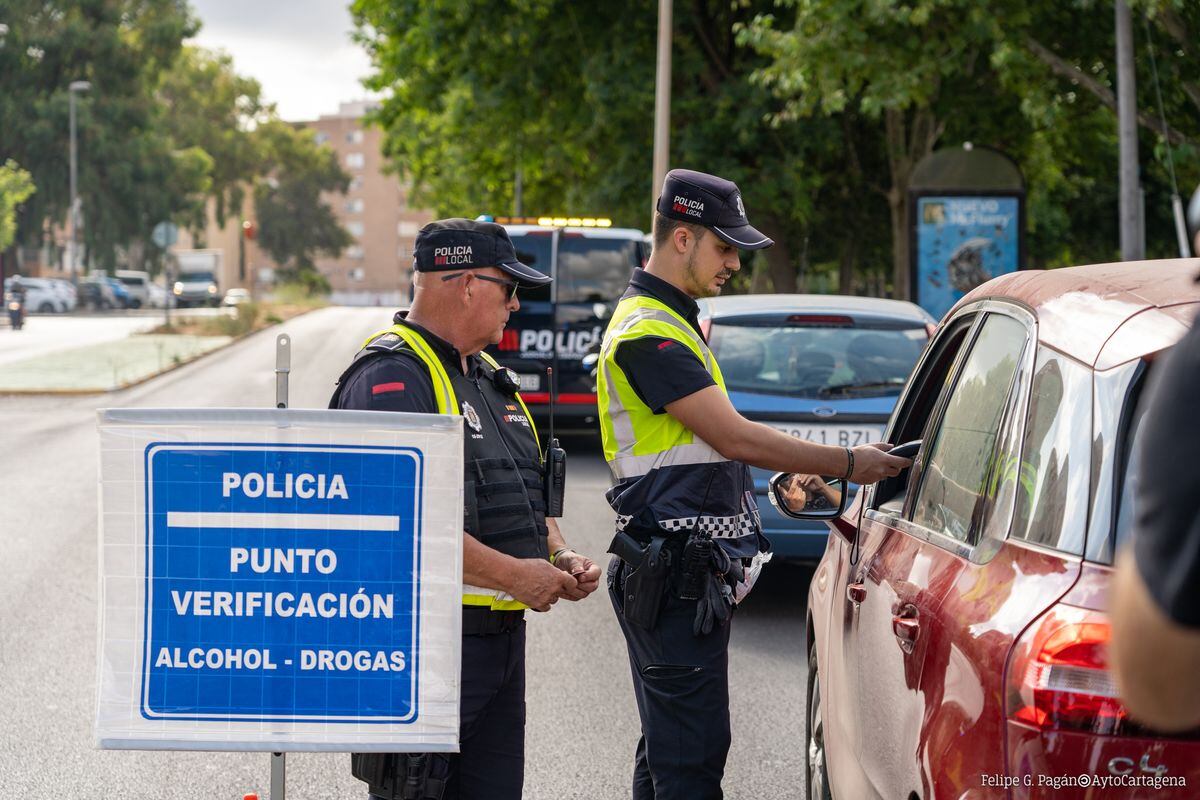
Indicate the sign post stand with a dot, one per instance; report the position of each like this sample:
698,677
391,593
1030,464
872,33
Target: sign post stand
283,367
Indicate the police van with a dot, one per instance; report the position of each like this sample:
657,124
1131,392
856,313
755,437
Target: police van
557,325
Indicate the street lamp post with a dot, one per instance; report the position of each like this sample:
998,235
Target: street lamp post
72,220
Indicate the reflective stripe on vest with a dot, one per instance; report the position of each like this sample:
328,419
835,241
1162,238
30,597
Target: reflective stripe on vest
447,403
636,440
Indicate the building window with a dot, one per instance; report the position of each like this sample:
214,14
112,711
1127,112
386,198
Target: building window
357,274
355,228
321,137
354,206
408,229
354,160
354,137
356,183
355,251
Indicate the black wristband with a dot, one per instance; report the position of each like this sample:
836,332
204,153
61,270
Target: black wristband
849,463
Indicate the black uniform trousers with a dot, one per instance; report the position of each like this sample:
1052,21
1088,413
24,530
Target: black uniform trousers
681,683
490,764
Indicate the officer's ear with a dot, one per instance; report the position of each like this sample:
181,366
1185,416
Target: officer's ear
682,238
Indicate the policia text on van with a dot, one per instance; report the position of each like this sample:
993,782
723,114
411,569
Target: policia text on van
467,276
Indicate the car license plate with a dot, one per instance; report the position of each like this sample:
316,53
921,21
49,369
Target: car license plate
840,435
530,382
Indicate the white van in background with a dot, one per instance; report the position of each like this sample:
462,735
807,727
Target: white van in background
138,284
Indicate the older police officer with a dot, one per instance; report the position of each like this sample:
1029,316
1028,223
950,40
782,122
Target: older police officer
431,361
678,452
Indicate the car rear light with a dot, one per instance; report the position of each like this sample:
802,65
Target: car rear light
822,320
1058,676
706,327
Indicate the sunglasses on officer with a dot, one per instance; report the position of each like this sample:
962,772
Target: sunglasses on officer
509,286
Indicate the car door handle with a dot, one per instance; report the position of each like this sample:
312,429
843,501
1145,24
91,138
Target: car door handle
906,626
856,593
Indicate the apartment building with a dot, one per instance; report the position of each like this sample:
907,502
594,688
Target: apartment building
376,269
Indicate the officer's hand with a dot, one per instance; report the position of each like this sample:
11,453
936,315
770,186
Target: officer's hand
583,570
872,463
538,584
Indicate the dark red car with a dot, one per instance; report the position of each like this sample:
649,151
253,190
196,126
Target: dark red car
956,623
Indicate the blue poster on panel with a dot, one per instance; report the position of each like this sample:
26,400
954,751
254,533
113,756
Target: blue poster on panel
962,242
282,583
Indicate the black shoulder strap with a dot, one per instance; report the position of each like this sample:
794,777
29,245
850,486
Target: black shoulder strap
386,343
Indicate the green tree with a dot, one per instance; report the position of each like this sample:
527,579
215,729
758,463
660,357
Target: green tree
15,187
478,91
210,107
131,174
294,225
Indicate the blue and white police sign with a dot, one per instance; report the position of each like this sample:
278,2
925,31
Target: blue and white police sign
280,580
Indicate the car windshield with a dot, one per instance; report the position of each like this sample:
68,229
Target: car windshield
815,362
592,269
197,277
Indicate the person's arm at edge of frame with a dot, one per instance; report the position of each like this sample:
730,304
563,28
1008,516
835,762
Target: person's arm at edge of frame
1155,660
709,414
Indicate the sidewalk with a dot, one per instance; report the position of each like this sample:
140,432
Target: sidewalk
64,355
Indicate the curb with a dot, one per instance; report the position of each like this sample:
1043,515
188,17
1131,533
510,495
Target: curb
150,377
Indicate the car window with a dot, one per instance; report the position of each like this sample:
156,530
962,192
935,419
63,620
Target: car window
810,361
594,270
957,463
1051,475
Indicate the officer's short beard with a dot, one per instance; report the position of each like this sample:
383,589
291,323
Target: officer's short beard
698,287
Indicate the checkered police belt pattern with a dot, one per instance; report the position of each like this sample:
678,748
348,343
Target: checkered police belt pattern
732,527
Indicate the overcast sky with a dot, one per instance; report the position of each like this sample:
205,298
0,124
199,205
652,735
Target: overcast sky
299,50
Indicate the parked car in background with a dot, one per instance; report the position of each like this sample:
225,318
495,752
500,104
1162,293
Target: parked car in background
66,290
96,293
41,295
137,284
823,368
235,297
956,623
121,292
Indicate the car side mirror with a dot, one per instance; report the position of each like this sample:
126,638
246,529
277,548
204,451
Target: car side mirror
802,496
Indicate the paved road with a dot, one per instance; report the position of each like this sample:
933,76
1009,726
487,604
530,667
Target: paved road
582,722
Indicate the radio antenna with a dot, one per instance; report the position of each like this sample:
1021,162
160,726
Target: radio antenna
553,400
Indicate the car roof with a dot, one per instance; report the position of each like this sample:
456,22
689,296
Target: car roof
1104,314
595,233
859,308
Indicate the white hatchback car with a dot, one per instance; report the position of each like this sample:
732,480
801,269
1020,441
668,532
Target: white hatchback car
41,295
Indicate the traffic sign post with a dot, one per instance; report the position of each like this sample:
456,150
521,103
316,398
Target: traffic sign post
280,580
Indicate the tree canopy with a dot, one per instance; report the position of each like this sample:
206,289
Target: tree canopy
819,109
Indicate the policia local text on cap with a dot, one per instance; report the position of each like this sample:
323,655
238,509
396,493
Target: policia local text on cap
678,452
514,557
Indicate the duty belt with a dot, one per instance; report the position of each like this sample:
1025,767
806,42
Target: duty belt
482,621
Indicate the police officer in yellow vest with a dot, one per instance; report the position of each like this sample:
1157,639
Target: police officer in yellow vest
687,524
431,361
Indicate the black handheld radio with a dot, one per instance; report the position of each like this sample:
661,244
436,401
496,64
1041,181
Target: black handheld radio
555,479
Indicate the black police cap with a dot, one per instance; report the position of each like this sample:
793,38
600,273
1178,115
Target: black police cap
713,202
460,244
